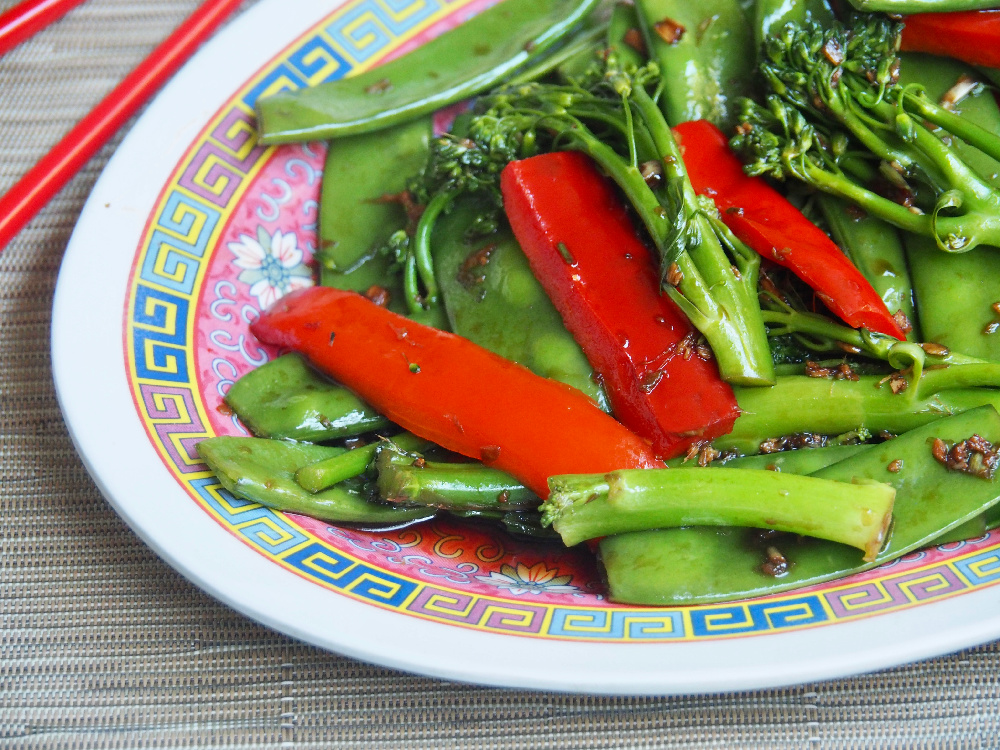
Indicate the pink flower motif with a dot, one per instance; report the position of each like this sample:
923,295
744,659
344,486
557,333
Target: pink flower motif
272,265
538,579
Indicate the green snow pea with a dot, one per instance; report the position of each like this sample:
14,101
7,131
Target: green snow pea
955,292
802,461
876,248
700,564
921,6
572,58
473,57
494,300
798,403
449,486
357,214
624,20
707,67
328,472
263,471
286,398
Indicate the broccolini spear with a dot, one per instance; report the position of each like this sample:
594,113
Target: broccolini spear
612,117
838,120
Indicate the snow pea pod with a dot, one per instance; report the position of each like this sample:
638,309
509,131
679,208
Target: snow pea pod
955,292
357,213
286,398
494,300
700,565
625,21
473,57
263,471
707,63
328,472
571,59
798,403
876,249
990,74
449,486
802,461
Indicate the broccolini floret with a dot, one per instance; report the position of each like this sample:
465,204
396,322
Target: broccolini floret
838,119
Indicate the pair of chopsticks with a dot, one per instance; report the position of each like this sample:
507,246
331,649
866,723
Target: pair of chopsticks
50,175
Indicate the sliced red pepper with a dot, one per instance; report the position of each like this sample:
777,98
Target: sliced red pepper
765,220
444,388
972,36
584,250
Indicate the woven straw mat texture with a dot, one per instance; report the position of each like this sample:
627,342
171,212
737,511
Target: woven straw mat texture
104,646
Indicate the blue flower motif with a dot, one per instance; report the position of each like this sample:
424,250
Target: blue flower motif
272,265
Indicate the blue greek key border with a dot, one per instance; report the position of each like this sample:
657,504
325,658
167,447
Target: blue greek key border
172,261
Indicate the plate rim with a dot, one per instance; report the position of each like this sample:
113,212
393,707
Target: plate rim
364,631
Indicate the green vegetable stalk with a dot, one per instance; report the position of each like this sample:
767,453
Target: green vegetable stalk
706,564
487,49
702,49
318,476
286,398
856,513
409,479
263,471
802,404
708,272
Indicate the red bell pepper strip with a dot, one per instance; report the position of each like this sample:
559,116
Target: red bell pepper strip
767,222
584,250
972,36
444,388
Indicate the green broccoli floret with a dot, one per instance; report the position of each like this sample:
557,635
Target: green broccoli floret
837,118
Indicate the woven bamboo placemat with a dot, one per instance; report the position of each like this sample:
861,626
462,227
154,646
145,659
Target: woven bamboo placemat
104,646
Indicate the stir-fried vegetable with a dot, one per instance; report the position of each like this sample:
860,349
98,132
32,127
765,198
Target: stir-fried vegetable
587,255
576,282
835,92
767,222
446,389
497,44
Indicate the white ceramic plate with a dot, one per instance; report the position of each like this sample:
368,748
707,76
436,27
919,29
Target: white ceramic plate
150,328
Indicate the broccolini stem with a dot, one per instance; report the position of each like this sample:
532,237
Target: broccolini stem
319,476
721,303
420,248
826,334
857,514
968,131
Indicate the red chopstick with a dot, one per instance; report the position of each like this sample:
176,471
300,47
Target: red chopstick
26,18
49,175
